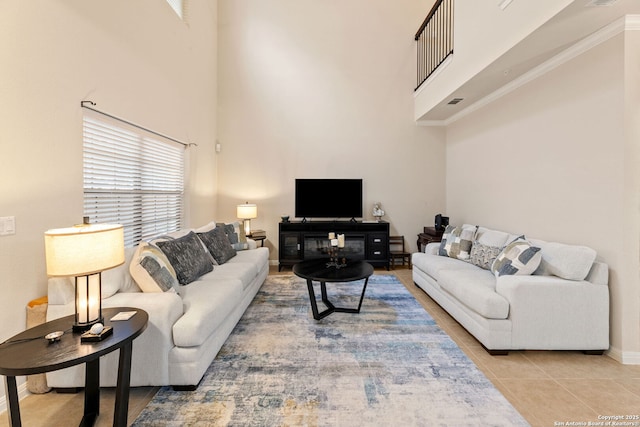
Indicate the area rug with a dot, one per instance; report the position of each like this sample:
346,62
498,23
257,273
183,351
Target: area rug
389,365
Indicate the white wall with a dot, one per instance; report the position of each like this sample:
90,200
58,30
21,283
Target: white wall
482,33
136,60
552,160
323,89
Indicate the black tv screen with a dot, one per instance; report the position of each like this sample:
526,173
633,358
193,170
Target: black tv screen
328,198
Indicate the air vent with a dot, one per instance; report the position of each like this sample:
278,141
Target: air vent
600,3
454,101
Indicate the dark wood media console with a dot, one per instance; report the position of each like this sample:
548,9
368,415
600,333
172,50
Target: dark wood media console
366,241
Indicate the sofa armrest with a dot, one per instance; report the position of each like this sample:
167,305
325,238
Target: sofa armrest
150,360
555,312
166,307
432,248
252,243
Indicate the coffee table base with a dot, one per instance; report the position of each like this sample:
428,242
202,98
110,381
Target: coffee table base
325,299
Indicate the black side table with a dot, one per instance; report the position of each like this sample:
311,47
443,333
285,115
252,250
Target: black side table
30,353
429,235
258,236
317,270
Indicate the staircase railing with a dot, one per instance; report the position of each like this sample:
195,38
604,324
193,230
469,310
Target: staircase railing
434,39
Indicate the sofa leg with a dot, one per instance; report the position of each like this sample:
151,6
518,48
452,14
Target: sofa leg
185,387
593,352
494,352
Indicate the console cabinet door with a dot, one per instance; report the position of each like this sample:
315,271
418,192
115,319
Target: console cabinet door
290,246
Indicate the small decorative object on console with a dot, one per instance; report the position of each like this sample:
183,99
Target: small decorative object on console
54,336
378,213
336,243
96,334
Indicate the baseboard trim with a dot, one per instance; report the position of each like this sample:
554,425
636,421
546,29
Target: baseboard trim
624,357
22,393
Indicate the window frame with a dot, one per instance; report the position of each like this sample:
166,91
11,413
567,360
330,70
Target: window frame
132,177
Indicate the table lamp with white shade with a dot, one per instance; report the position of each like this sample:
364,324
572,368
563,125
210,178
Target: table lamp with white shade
247,212
84,251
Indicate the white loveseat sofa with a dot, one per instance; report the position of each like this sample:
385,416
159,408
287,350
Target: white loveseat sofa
187,326
563,304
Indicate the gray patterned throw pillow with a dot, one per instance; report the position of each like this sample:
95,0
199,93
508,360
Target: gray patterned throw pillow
484,255
187,256
159,273
218,244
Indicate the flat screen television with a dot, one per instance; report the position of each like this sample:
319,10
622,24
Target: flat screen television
328,198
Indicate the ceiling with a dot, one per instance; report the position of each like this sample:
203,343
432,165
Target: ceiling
577,21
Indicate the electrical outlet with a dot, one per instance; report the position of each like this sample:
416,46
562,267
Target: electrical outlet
7,225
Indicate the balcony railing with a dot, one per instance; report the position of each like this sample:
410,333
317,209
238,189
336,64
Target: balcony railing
434,39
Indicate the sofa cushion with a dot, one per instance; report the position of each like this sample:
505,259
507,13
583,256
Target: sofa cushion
571,262
475,289
244,266
118,279
496,238
484,255
458,242
258,257
517,258
218,245
151,269
207,227
206,305
243,271
188,257
434,264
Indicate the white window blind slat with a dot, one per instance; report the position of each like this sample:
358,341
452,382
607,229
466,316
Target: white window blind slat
132,179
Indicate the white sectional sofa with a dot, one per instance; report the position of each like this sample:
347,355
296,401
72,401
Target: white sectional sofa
188,324
554,298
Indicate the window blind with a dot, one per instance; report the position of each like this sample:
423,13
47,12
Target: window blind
133,179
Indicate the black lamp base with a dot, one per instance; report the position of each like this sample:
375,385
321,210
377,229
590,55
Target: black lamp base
81,327
89,337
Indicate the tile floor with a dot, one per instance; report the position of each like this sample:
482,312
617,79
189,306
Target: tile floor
548,388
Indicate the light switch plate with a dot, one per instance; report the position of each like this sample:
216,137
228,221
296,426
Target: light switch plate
7,225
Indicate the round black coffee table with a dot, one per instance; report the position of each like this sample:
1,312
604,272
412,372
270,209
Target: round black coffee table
317,270
30,353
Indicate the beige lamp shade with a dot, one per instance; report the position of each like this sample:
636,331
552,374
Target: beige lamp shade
247,211
84,249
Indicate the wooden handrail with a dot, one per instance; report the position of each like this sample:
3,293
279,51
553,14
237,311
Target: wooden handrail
427,19
434,39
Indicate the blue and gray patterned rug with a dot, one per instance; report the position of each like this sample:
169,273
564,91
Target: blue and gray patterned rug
389,365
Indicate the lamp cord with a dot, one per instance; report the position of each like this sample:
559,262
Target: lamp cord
10,341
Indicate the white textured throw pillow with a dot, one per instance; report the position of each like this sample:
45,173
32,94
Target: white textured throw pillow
517,258
151,270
